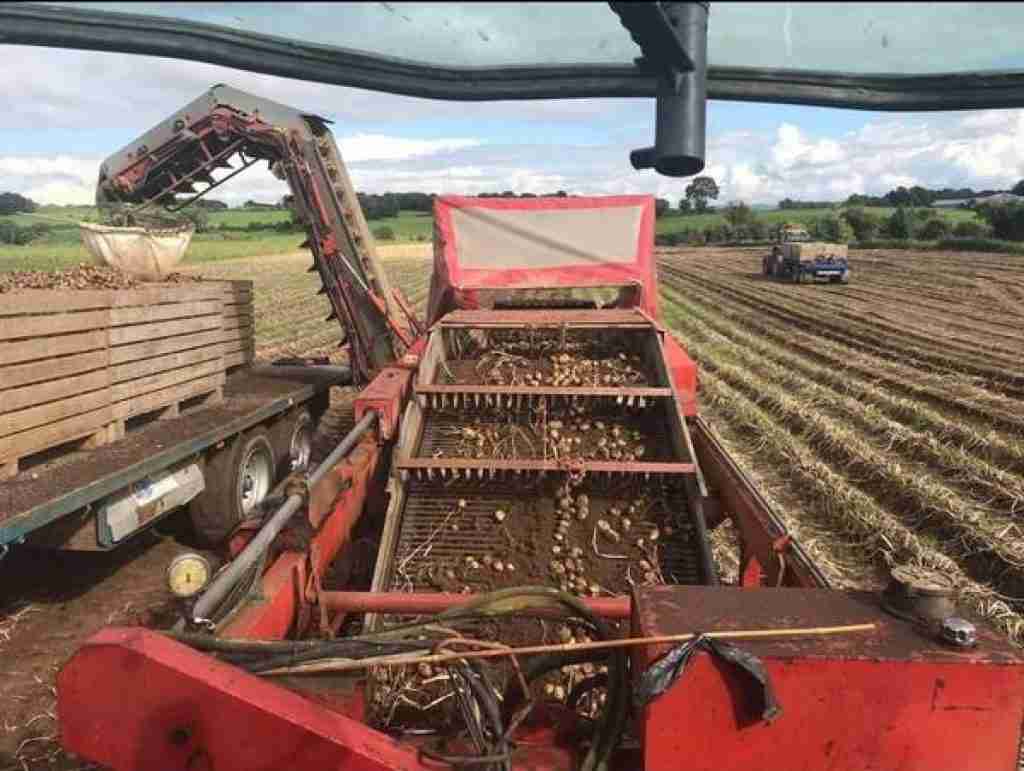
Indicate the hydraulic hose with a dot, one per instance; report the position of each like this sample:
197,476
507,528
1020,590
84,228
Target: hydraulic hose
225,581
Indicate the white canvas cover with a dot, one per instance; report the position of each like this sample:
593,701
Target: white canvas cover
545,238
148,255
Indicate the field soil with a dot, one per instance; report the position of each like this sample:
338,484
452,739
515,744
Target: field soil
883,419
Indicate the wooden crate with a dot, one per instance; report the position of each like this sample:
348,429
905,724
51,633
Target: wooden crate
54,371
239,324
165,347
78,364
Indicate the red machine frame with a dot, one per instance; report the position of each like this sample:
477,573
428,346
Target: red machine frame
177,708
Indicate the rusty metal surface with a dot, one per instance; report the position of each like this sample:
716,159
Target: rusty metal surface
649,392
588,466
546,318
675,610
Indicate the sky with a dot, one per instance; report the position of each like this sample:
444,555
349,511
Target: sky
65,111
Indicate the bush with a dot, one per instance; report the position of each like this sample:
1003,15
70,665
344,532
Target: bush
723,233
865,226
1007,220
12,203
900,224
935,229
19,235
970,229
981,245
200,218
738,214
832,227
757,230
384,233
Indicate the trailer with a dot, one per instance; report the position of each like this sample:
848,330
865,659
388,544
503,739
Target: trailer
799,259
220,459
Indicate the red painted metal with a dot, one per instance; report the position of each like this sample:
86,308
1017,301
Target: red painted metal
455,285
134,699
628,318
883,700
386,394
411,603
683,371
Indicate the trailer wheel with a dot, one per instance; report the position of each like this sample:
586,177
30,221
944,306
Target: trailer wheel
292,438
237,478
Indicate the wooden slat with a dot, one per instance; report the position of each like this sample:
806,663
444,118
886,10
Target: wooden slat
144,367
145,350
134,388
50,369
157,399
52,390
150,313
28,350
32,417
140,332
237,312
44,437
172,293
237,358
39,300
244,324
52,324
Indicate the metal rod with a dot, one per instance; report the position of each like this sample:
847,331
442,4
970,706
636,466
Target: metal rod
391,660
417,603
223,583
707,559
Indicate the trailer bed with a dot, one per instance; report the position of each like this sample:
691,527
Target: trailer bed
43,494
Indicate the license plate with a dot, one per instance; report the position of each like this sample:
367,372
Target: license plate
828,272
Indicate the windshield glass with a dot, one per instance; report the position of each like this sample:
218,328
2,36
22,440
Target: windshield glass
908,38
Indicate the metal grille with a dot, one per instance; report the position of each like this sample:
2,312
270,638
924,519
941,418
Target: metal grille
428,546
442,432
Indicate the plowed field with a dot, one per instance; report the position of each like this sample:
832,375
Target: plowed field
885,415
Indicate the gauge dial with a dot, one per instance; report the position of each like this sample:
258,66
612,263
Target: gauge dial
188,574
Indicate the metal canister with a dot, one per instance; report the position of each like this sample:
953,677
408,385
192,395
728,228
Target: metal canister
919,594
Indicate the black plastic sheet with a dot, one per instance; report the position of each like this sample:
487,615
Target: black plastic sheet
664,673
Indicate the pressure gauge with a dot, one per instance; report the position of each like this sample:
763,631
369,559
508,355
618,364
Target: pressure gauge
188,574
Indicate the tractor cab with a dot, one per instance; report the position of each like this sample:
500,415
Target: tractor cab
793,234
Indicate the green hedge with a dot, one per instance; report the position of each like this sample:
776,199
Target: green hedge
946,244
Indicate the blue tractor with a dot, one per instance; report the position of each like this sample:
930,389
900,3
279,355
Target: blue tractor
799,259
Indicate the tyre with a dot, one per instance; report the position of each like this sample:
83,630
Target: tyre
292,439
237,478
766,267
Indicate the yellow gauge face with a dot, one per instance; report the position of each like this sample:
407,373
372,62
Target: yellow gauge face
188,574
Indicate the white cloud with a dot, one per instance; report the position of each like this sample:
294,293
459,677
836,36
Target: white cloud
375,147
50,93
